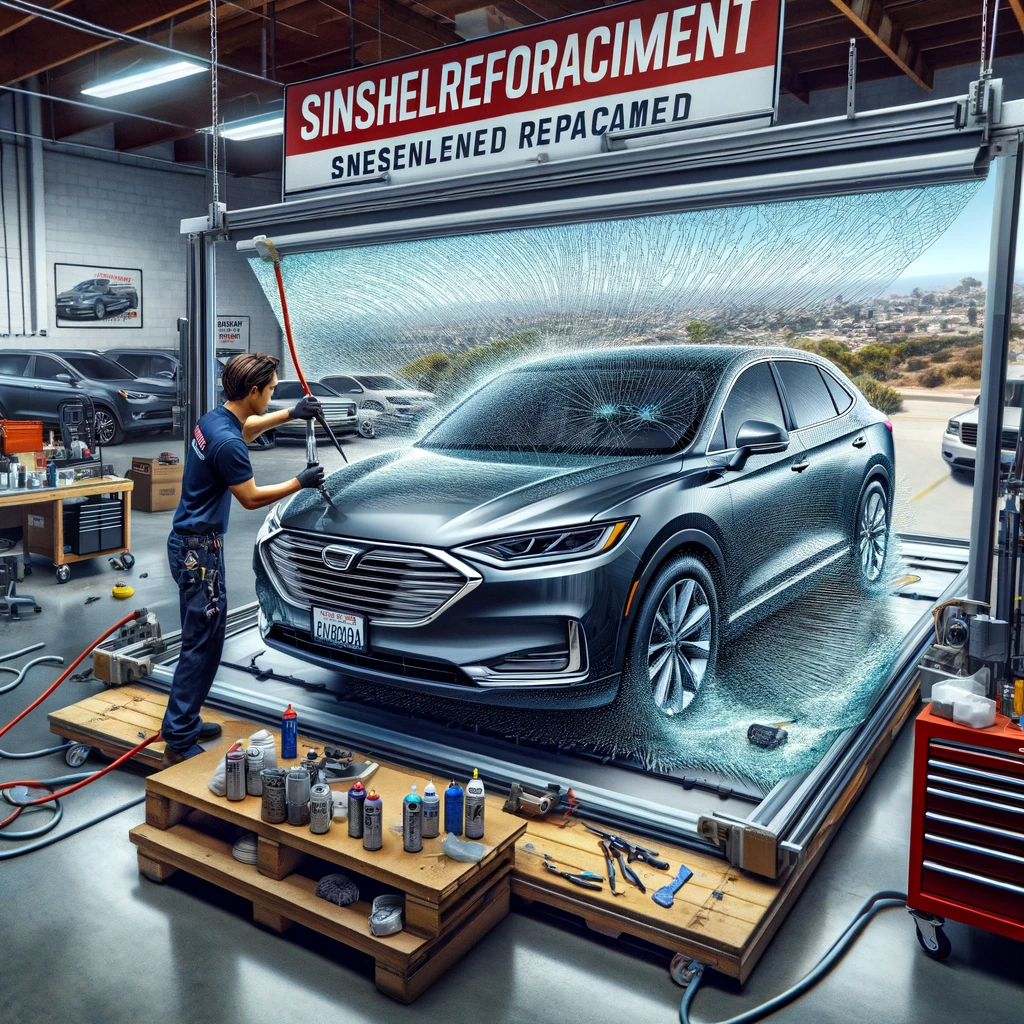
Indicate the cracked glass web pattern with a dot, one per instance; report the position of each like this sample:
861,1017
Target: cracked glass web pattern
524,324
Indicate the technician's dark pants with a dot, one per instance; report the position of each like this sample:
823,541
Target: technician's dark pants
203,602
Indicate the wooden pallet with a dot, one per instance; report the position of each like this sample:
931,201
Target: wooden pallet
449,905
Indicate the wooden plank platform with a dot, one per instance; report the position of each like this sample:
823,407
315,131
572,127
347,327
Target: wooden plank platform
729,933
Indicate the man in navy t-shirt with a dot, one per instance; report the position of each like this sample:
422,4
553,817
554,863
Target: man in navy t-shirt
217,467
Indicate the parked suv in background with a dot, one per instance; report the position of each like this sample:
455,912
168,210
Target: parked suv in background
960,441
125,404
394,400
147,362
24,396
96,298
340,413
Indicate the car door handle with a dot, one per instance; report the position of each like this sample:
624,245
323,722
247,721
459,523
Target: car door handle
799,467
859,442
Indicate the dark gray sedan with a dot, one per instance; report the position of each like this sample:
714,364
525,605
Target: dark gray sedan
584,520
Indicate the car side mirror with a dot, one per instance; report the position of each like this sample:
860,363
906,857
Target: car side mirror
756,437
64,378
977,400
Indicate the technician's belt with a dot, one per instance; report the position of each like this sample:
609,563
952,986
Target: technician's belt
198,541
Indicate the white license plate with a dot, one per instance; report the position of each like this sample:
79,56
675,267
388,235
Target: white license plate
339,629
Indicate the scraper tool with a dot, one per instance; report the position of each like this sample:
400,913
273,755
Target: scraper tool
665,896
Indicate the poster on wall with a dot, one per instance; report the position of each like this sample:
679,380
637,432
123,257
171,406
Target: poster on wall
90,296
555,91
233,333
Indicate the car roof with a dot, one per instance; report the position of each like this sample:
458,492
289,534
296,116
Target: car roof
677,357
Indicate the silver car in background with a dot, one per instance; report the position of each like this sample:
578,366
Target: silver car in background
340,413
960,441
395,403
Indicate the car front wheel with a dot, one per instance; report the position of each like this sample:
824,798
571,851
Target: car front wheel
99,309
674,646
871,541
108,430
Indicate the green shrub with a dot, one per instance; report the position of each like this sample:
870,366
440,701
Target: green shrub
836,351
932,377
942,356
916,363
880,396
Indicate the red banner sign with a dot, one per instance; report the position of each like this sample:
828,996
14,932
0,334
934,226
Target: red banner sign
554,88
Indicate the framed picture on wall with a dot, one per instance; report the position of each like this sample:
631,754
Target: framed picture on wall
90,296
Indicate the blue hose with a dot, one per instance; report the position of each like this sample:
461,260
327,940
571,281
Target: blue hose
875,903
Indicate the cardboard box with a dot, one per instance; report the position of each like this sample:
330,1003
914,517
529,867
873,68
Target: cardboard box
152,494
156,471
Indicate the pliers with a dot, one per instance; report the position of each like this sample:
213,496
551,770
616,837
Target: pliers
587,880
606,849
627,872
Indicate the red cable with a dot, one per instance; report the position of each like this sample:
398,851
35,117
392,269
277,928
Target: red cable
288,332
78,661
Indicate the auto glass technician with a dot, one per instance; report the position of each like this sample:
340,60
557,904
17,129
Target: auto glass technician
217,466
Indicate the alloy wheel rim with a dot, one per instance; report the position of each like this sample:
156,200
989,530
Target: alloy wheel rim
104,427
679,646
874,530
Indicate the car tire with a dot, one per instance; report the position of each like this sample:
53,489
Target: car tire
367,428
871,535
99,309
133,300
106,429
673,649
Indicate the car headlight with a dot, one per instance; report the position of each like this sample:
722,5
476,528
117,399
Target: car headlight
137,396
953,428
271,524
552,545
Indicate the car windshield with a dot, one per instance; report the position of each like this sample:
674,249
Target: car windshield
293,389
1014,394
98,368
87,286
379,382
604,411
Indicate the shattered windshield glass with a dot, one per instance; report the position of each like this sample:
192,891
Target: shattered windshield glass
609,411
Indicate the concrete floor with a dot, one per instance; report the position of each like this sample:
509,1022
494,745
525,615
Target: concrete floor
86,938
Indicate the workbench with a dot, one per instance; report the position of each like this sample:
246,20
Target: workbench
42,519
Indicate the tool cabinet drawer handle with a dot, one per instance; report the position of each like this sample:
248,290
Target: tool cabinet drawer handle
974,800
977,773
970,876
972,848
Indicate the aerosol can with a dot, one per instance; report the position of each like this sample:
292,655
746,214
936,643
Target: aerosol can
289,727
431,811
475,807
373,822
453,800
412,822
356,798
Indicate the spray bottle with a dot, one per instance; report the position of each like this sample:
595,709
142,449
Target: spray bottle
475,807
356,799
289,728
453,799
431,811
373,822
412,822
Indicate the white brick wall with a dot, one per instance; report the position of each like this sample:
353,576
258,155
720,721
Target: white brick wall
107,214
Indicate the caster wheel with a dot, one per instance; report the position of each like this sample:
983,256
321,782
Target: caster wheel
76,756
28,569
682,969
63,573
935,942
37,609
127,559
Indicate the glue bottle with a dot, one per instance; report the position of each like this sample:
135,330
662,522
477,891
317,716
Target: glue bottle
453,800
412,822
431,809
475,807
289,727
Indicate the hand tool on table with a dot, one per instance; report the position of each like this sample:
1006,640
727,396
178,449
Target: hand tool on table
548,858
580,880
666,894
627,872
607,850
268,252
631,850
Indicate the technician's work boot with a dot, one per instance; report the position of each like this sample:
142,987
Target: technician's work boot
173,757
208,730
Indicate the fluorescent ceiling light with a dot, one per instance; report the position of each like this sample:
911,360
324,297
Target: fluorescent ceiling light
144,79
253,128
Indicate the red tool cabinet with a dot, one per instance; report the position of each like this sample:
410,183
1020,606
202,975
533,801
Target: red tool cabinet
967,826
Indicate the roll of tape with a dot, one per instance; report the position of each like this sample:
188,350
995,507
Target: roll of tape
386,918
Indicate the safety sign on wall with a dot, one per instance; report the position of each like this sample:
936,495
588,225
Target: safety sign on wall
551,91
233,333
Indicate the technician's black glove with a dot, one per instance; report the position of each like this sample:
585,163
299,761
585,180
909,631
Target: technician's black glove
306,408
311,476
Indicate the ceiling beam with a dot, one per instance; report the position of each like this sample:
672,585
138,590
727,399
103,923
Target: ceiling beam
793,82
1018,12
11,19
887,34
41,45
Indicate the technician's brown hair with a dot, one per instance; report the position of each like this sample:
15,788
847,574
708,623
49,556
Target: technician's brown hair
245,372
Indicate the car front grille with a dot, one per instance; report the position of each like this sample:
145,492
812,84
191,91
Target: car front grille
969,436
393,585
377,661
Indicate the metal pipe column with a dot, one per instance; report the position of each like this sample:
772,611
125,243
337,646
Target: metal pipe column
1002,259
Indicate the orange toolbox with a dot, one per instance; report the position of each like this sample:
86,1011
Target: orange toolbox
19,436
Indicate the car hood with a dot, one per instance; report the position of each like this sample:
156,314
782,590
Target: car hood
74,295
1011,417
154,385
418,496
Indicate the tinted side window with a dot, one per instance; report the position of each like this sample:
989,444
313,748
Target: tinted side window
718,437
48,368
840,395
343,385
754,396
808,396
13,363
137,364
